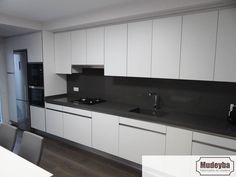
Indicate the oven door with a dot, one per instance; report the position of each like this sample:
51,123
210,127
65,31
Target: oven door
36,96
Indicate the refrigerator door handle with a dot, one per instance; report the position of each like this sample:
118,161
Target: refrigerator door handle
19,65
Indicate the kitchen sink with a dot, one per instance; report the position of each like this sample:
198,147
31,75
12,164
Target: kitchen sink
158,113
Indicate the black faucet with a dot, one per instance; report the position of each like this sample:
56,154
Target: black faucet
156,105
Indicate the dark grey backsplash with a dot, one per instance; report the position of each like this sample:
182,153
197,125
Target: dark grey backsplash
197,97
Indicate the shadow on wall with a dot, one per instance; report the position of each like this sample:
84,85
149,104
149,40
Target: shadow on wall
0,110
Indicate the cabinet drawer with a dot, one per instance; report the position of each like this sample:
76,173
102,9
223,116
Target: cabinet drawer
77,111
77,129
214,140
54,122
53,106
143,125
133,143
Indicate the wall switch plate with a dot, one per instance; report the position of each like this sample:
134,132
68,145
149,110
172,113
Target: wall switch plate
76,89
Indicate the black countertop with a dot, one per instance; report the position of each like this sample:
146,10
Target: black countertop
202,123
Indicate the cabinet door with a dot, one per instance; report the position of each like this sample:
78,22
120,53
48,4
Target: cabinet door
78,129
203,149
37,116
116,50
105,132
139,49
95,46
78,47
226,46
181,147
166,47
198,46
12,97
63,53
54,122
135,142
9,45
34,47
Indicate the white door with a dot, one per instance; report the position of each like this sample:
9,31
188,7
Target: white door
63,53
37,116
166,47
116,50
78,129
78,47
139,49
203,149
198,46
34,47
184,144
54,122
226,47
105,132
95,46
12,97
135,142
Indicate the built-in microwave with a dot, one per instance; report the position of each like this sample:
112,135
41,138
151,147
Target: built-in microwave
36,84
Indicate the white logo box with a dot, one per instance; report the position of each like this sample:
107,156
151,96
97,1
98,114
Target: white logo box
188,166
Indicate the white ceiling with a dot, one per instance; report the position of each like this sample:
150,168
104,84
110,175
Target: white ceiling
56,15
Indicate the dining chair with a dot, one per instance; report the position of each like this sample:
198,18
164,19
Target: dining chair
7,136
31,147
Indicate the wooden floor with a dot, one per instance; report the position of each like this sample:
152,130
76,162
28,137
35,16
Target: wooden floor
67,161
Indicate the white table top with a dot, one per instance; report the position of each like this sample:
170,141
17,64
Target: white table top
12,165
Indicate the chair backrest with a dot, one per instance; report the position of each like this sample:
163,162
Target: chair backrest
7,136
31,147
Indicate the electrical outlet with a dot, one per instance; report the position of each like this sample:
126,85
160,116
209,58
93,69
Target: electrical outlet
76,89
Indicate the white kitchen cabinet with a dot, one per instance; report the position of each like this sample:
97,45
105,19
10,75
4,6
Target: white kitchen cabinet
139,49
204,149
166,47
78,129
116,50
198,46
54,122
95,46
226,46
34,47
78,47
12,97
9,47
181,147
105,132
135,142
37,116
63,52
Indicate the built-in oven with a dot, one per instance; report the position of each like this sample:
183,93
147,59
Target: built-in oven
36,96
36,84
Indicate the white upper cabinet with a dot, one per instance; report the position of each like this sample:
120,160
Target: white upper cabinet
198,46
34,47
9,55
166,47
63,52
116,50
95,46
226,46
139,49
78,47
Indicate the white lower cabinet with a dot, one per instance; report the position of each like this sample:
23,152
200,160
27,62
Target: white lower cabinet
204,149
135,142
105,132
184,144
54,122
77,128
37,116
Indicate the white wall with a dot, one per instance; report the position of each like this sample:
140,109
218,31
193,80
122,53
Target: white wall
3,83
